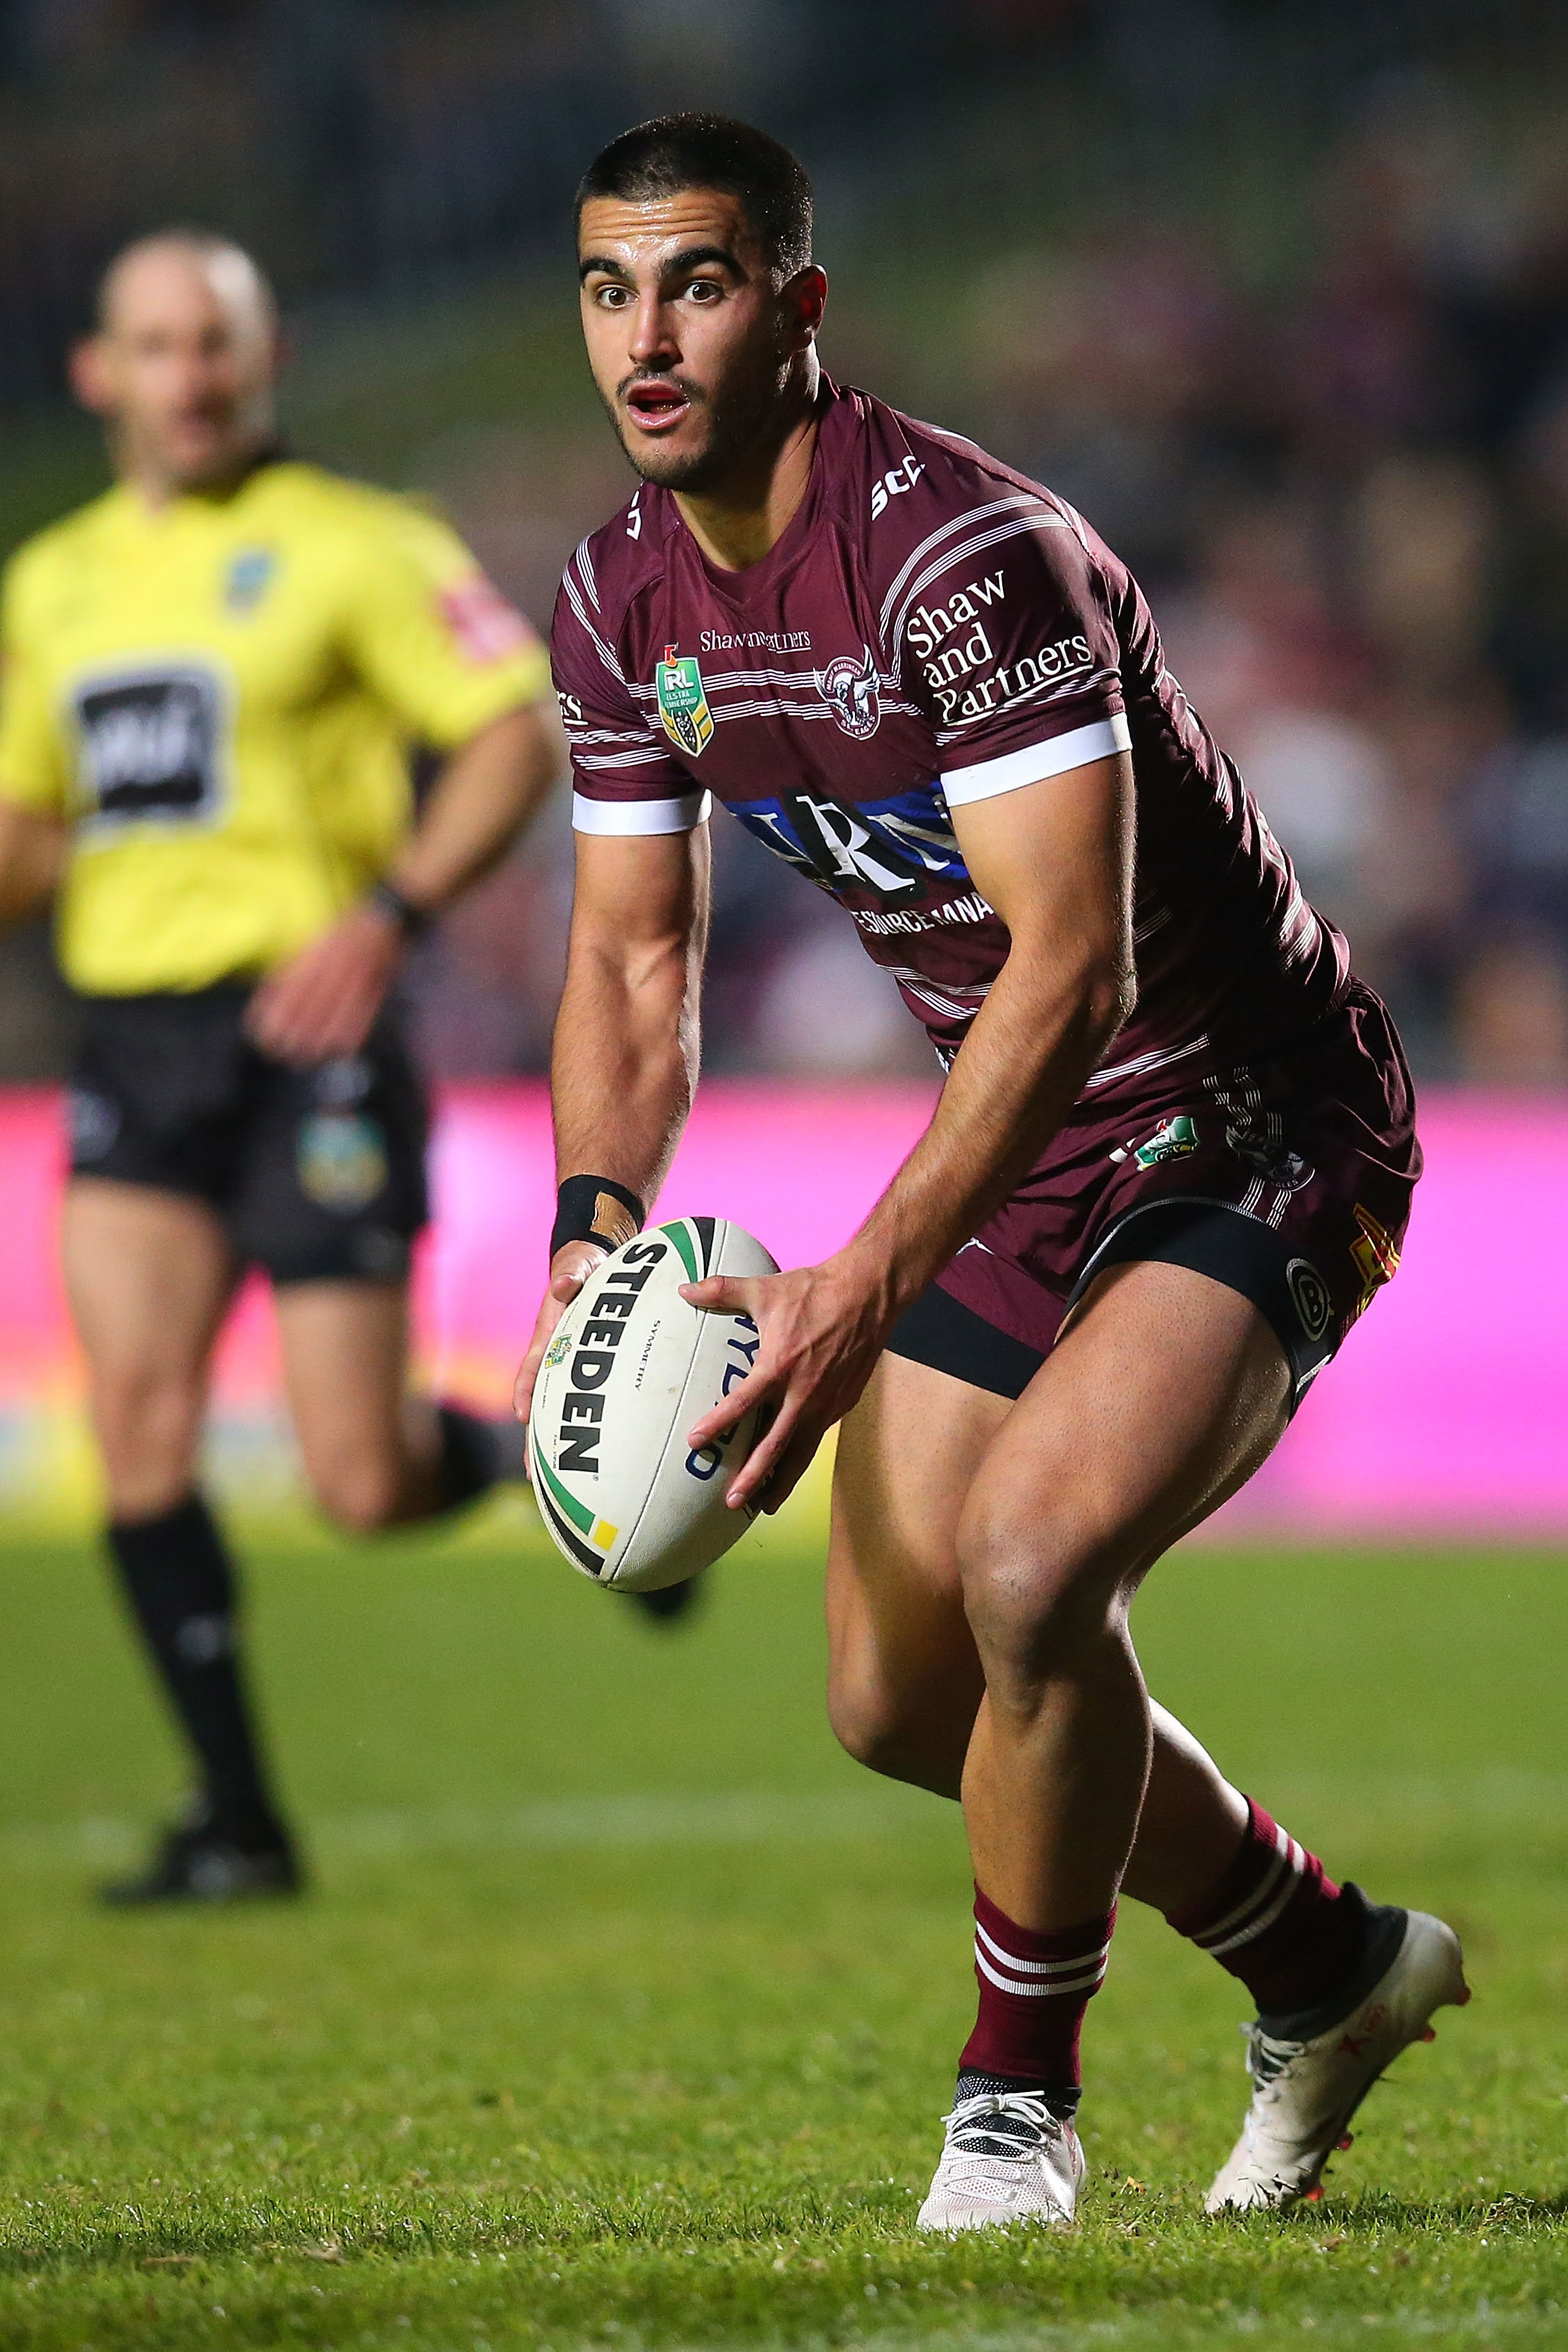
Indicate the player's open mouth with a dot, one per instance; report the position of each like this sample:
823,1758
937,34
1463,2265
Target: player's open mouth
657,407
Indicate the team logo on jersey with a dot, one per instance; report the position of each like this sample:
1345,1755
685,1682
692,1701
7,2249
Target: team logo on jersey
850,690
683,703
342,1159
1177,1139
249,578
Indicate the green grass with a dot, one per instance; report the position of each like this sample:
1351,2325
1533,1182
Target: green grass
624,2009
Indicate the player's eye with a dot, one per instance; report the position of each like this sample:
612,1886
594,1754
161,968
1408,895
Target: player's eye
612,297
704,290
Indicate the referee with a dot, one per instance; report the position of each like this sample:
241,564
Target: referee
213,678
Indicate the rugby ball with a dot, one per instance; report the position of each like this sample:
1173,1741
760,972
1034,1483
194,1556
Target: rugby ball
631,1366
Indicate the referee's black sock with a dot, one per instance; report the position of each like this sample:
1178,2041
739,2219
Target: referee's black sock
176,1576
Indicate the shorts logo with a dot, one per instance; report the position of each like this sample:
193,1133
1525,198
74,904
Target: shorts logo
342,1159
249,577
1376,1256
683,703
1177,1139
850,690
95,1123
1309,1296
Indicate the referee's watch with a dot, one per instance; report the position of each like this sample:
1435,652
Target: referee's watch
388,899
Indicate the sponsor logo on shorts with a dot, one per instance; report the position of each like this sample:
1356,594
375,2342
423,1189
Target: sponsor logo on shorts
1375,1254
250,576
683,703
851,690
1177,1139
1309,1296
95,1123
341,1158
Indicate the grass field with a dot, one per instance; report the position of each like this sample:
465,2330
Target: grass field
624,2010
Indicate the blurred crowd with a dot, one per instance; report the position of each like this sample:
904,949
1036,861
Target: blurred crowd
1334,446
1348,498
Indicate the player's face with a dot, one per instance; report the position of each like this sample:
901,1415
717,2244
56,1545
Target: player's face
690,343
183,366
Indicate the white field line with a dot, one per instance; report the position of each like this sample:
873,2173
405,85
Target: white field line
727,1818
1406,1802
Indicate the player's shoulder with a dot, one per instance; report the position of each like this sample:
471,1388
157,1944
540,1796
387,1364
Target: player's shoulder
51,557
612,567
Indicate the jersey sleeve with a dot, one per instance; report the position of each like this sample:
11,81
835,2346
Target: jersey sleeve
432,637
33,773
1001,623
625,778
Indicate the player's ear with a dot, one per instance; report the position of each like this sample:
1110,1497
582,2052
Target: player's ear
88,367
805,300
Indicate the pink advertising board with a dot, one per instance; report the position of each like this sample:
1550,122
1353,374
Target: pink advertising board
1445,1414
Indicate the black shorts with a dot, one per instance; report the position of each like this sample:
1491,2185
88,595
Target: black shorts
318,1175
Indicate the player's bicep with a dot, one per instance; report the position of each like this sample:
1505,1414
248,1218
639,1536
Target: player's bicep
1055,857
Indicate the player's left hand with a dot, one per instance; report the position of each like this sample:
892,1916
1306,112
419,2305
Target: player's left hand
821,1331
324,1001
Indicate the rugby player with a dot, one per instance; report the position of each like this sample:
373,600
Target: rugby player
214,675
1171,1162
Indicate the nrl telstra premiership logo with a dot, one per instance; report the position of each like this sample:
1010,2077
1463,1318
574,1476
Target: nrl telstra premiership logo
683,703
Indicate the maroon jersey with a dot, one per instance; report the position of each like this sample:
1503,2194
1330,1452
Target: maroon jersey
932,629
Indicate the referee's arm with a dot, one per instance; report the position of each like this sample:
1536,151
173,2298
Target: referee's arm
322,1003
32,827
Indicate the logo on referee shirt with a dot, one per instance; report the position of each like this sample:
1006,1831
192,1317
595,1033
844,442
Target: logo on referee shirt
249,578
683,703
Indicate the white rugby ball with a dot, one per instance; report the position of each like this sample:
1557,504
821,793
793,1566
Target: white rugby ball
631,1366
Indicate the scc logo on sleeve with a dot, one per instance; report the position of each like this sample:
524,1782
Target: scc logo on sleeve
683,703
149,744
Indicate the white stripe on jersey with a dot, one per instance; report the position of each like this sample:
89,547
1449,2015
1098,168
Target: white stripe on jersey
585,562
607,653
1038,520
636,817
646,755
956,522
1036,761
1143,1062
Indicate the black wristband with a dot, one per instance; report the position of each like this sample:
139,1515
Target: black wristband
595,1209
388,899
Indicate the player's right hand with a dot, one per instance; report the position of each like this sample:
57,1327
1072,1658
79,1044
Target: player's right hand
570,1267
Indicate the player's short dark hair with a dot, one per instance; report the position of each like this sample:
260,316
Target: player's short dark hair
673,151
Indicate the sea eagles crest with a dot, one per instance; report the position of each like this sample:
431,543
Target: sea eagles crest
683,703
849,688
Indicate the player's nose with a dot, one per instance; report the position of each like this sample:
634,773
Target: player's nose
653,330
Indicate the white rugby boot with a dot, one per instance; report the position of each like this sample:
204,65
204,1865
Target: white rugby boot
1006,2157
1305,2092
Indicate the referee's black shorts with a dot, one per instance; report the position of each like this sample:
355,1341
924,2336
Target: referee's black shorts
318,1175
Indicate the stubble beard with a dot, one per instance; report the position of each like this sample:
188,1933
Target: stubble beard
740,416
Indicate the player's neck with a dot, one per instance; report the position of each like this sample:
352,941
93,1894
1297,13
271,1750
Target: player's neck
155,488
738,524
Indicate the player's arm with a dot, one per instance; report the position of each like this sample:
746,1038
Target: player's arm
323,1001
1055,858
32,859
624,1064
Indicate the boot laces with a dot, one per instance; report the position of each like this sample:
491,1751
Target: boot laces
991,2165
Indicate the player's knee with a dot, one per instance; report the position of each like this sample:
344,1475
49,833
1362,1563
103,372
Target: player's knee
147,1426
1037,1588
869,1723
364,1498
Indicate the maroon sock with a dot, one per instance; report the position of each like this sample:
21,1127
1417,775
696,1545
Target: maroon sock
1278,1921
1033,1989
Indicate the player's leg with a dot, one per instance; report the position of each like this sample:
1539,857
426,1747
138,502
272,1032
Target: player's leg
376,1456
148,1274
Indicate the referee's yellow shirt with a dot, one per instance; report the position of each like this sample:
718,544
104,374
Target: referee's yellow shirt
220,697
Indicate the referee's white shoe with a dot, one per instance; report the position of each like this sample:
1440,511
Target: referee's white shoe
1304,2093
1006,2157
